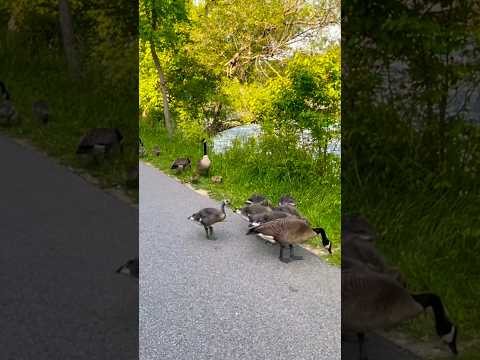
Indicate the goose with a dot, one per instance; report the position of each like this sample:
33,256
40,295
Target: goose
100,140
253,209
374,301
130,268
289,231
180,164
40,111
359,227
204,164
288,209
209,216
358,243
156,151
8,113
287,200
257,219
368,255
257,199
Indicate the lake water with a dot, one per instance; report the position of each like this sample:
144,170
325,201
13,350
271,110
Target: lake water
224,140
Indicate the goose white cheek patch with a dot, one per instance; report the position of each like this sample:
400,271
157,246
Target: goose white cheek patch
449,337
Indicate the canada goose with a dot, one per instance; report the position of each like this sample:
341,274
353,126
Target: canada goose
257,199
288,209
100,140
130,268
204,164
40,111
180,164
8,113
255,208
373,301
287,200
209,216
366,253
289,231
257,219
359,227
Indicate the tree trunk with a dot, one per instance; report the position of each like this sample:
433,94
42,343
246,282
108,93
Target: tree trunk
164,90
66,25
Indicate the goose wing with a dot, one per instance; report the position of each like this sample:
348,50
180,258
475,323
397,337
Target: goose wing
374,301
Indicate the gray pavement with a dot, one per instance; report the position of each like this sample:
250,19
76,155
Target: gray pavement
62,239
230,298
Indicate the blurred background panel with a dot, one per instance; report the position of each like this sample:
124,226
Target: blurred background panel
69,184
410,167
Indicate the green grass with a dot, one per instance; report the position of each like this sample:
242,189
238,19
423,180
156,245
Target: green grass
75,107
246,170
431,237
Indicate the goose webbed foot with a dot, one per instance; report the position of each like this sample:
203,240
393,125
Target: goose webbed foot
211,237
293,256
207,232
281,257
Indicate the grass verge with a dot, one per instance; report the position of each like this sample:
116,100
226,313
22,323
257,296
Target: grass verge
252,169
75,107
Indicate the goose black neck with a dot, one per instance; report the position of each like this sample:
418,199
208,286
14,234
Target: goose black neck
223,207
204,147
442,324
321,231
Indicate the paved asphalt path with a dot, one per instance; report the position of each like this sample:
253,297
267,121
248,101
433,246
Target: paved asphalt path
61,242
230,298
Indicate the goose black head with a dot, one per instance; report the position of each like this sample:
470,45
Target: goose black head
325,242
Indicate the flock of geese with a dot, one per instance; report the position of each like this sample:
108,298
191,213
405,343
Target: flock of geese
283,224
375,295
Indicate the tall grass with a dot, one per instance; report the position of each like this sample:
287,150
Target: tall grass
271,168
75,106
430,235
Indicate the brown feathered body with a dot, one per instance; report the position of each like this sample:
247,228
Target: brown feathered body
105,138
286,231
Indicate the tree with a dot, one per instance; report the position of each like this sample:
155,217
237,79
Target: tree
159,21
249,35
66,26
